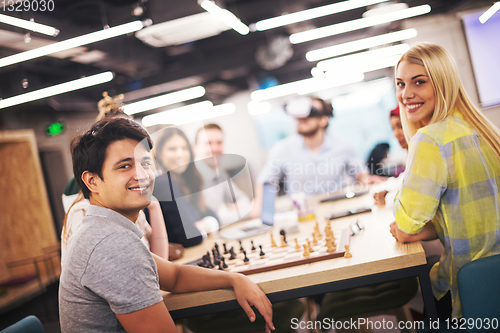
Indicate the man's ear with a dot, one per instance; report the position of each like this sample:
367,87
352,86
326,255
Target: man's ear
324,121
90,180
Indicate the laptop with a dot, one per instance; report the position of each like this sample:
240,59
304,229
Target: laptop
256,226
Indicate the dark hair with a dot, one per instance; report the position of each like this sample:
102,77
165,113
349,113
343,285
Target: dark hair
376,156
88,150
326,108
191,181
207,127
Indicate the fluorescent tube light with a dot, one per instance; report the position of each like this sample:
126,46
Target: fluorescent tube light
189,114
74,42
360,44
489,13
345,61
226,16
367,66
164,100
303,87
57,89
28,25
361,23
313,13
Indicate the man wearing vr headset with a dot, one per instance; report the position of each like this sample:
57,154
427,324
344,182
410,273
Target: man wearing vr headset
311,161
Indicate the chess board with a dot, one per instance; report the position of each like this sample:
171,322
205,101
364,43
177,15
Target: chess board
282,257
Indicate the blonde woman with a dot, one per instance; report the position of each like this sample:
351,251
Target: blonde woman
450,188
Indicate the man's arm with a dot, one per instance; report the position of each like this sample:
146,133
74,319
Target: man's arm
153,319
186,278
257,200
159,238
427,233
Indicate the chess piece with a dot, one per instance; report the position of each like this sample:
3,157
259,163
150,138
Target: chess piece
224,265
216,246
315,241
225,249
317,231
306,251
221,267
241,247
330,246
232,254
253,246
209,260
283,243
261,254
245,260
347,254
283,233
297,246
309,245
273,243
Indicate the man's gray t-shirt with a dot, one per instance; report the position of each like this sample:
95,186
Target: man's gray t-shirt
107,270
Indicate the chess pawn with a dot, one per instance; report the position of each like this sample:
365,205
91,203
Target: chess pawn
283,243
330,247
297,246
315,241
273,243
306,251
347,254
309,245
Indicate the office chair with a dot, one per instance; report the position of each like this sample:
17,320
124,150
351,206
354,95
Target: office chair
30,324
479,289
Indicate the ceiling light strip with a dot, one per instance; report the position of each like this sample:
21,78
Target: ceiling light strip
361,44
164,100
74,42
189,114
367,66
226,16
305,86
342,62
361,23
489,13
57,89
29,25
313,13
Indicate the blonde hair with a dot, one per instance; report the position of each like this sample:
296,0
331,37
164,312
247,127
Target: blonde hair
449,92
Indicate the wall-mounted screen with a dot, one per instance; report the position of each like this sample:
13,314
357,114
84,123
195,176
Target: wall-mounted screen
483,41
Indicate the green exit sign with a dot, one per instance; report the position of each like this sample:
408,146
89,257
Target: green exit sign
55,129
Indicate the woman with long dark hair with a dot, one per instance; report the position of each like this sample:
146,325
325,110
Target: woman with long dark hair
179,190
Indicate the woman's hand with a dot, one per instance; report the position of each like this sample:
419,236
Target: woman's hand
248,294
380,198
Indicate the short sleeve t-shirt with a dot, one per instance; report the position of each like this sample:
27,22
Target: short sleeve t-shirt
107,270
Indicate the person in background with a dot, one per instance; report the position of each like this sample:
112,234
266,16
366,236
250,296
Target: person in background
110,282
311,161
375,160
76,206
179,190
450,188
209,148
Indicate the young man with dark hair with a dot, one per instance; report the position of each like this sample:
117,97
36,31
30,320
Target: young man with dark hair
110,281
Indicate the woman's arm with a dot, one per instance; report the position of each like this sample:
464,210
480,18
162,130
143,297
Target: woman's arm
159,238
427,233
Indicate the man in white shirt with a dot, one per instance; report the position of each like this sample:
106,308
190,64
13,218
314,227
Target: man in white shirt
222,196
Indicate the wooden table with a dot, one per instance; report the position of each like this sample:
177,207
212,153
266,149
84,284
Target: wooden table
376,257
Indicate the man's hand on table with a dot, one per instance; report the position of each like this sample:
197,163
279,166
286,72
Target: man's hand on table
427,233
248,294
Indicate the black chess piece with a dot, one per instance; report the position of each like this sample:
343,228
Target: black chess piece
221,268
216,246
225,249
253,246
261,252
246,258
241,247
223,262
209,261
233,255
283,233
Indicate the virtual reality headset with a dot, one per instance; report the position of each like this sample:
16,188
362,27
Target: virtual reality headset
302,107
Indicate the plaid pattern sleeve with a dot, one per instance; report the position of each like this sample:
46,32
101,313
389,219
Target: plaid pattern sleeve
452,178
